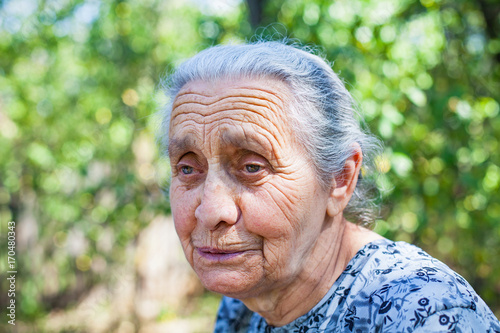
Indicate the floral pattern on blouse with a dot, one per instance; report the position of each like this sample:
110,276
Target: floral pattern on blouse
387,287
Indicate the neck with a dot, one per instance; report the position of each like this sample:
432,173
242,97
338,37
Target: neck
332,252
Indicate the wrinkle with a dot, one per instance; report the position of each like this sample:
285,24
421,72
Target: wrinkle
258,116
220,112
228,238
232,134
241,91
262,125
231,100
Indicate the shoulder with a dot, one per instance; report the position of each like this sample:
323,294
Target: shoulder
401,288
459,320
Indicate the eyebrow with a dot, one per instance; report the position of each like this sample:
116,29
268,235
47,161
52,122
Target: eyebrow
239,140
181,145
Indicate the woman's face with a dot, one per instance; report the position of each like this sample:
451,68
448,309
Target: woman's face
246,203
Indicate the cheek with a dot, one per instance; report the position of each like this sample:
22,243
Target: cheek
183,204
263,216
267,217
288,219
277,209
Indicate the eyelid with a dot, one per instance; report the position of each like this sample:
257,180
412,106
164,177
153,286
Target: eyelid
189,159
262,165
180,156
189,163
254,159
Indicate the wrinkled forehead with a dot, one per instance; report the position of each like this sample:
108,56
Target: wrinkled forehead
265,92
247,113
262,102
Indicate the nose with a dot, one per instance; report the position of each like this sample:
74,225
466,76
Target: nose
217,204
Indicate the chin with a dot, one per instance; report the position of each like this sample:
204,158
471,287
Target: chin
230,283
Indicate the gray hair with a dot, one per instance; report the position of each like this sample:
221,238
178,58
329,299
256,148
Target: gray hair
323,114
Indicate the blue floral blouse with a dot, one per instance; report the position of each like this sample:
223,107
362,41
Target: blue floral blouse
387,287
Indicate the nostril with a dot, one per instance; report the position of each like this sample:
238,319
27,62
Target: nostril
238,213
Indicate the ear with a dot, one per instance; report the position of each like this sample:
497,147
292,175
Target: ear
344,184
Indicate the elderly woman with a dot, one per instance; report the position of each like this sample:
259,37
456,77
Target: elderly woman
266,156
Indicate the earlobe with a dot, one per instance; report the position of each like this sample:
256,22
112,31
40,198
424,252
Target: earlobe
343,186
333,207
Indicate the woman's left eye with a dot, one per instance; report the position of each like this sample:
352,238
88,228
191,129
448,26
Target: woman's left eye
187,170
252,168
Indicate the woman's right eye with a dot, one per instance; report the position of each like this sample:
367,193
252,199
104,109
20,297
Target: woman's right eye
186,169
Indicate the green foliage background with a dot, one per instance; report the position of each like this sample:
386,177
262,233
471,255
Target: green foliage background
79,87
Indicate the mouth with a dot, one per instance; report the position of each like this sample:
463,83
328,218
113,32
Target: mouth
213,254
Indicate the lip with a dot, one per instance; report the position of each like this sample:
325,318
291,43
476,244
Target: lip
218,255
